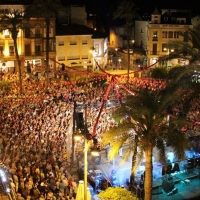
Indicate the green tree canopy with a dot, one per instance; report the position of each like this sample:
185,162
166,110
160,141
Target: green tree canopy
116,194
147,121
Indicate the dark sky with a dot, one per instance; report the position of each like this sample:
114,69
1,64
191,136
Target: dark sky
182,4
147,5
144,5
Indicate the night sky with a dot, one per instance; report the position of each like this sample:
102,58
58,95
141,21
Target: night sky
106,6
145,5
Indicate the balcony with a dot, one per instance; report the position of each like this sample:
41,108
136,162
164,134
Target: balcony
33,35
154,38
154,52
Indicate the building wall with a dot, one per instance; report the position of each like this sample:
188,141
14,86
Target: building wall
80,51
74,50
156,42
31,44
141,38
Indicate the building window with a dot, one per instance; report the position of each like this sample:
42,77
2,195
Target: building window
61,42
141,30
182,21
164,34
84,42
170,34
73,42
61,58
176,34
6,34
164,47
96,48
37,50
155,36
52,45
165,18
154,52
73,57
11,50
37,32
1,50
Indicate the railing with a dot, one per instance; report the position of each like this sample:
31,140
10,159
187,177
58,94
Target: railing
38,35
154,52
155,39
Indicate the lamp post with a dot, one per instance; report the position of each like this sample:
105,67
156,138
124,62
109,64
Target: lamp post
87,137
119,60
116,49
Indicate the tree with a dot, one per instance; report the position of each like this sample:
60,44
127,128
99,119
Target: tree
127,10
146,115
189,47
13,21
116,194
5,88
159,72
46,9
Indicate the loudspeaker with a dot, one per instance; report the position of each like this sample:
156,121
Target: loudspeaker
104,185
167,186
164,170
169,169
176,167
190,163
197,162
79,120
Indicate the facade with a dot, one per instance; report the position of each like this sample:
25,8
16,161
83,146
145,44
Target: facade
30,42
73,44
118,36
164,26
79,46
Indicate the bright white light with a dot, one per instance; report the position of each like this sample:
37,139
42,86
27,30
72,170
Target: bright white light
3,176
7,190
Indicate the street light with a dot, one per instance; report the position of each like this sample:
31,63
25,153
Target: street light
116,49
119,60
87,137
133,41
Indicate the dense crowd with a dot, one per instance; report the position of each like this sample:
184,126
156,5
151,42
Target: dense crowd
35,129
34,135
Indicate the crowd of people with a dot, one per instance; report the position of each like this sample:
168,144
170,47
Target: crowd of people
35,129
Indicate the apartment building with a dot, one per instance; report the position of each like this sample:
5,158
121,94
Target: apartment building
79,46
164,26
73,44
30,41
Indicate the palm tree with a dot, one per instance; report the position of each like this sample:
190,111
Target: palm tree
13,21
146,115
127,10
46,9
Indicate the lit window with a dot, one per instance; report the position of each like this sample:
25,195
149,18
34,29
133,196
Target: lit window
6,34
